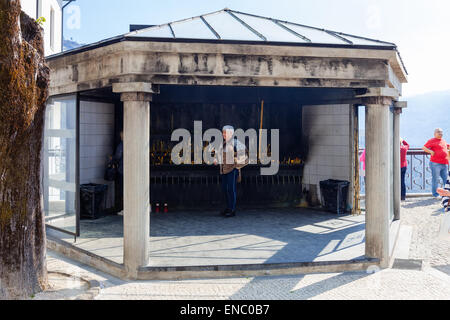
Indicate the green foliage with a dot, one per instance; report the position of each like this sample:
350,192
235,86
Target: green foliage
40,21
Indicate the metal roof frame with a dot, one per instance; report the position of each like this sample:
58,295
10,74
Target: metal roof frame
246,25
281,23
346,43
210,27
334,33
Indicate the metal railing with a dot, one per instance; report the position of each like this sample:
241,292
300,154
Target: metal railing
418,174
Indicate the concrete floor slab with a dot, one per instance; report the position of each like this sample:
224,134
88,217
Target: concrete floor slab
191,238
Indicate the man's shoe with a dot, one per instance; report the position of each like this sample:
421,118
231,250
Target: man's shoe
224,212
230,214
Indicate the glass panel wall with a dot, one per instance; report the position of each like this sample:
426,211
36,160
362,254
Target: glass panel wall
60,163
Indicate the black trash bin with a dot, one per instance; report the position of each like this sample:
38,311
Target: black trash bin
92,200
334,195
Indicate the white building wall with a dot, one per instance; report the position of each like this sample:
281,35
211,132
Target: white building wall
328,130
53,24
96,139
29,7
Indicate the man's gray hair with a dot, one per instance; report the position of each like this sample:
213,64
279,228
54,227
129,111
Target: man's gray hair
439,130
228,128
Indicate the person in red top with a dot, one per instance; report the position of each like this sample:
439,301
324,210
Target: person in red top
439,151
404,147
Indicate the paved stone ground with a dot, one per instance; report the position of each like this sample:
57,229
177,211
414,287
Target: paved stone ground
422,216
63,286
425,215
254,236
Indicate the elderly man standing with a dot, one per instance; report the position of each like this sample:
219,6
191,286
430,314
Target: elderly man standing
232,158
439,161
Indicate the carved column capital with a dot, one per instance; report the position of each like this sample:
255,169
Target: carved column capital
377,101
134,91
379,96
398,110
135,96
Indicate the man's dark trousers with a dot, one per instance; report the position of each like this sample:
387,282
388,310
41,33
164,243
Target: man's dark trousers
403,184
229,188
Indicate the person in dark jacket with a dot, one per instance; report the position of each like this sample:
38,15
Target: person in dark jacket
118,159
229,169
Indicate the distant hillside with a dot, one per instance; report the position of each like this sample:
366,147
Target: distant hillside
417,123
425,113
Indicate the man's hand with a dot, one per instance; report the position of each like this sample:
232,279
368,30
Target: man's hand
215,162
428,151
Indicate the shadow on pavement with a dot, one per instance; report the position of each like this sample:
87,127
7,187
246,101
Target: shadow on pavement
421,203
445,269
264,288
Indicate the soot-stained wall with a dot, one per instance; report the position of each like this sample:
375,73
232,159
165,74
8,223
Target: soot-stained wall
174,109
191,186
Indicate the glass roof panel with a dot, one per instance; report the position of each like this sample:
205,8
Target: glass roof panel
269,29
154,32
192,29
229,28
315,35
366,42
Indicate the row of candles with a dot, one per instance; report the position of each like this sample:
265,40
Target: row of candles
164,209
160,154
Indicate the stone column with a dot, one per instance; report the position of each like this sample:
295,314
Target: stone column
136,160
398,108
377,178
397,169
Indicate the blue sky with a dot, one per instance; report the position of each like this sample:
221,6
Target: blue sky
420,28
